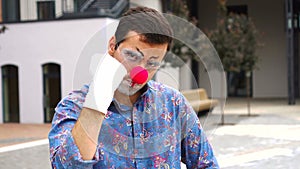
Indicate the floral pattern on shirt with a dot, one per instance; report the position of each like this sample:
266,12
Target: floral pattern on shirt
161,131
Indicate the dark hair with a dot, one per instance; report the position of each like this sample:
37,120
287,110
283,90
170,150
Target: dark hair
151,24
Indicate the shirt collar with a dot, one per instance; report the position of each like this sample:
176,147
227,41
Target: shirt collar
148,88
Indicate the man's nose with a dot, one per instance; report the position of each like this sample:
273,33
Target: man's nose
142,64
138,75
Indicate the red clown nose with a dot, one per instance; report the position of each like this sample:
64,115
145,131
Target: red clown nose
138,75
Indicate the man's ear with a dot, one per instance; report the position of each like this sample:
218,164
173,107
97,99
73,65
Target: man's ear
111,45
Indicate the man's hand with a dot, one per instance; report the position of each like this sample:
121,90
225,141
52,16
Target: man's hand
108,76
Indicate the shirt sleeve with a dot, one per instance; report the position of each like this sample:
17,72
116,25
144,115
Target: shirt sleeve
64,153
196,151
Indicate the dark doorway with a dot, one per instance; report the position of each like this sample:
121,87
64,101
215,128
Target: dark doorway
51,89
10,94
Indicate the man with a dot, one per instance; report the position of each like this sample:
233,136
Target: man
123,119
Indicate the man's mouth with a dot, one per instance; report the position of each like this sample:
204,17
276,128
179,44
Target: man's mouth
128,82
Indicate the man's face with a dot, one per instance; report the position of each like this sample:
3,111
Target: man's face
134,52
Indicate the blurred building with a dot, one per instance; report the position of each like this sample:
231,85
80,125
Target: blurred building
279,24
278,74
40,52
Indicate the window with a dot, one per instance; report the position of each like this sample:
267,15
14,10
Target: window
46,10
10,93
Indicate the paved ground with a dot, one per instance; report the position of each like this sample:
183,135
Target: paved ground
21,148
269,139
12,133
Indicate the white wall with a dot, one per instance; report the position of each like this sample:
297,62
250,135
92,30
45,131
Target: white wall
30,45
155,4
168,76
177,78
271,78
186,76
28,10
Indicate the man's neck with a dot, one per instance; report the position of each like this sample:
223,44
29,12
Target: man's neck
125,99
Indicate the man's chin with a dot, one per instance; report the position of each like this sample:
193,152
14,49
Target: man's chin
127,90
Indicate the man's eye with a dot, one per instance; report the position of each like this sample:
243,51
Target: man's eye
132,56
153,64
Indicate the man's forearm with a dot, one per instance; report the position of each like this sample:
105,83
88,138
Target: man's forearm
87,128
86,132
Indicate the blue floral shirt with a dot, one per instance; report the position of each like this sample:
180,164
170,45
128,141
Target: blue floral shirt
160,131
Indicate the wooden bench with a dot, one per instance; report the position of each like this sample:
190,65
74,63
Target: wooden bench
199,100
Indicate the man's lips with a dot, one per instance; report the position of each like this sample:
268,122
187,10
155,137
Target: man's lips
128,82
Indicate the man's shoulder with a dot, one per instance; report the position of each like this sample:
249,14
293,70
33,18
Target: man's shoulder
79,92
163,88
76,96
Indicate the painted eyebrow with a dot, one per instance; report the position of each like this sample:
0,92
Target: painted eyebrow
134,52
139,51
152,57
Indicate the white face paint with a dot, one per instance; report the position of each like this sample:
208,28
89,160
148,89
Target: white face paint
125,87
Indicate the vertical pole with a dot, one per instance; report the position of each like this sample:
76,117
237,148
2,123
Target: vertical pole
296,60
248,74
296,46
223,94
290,51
